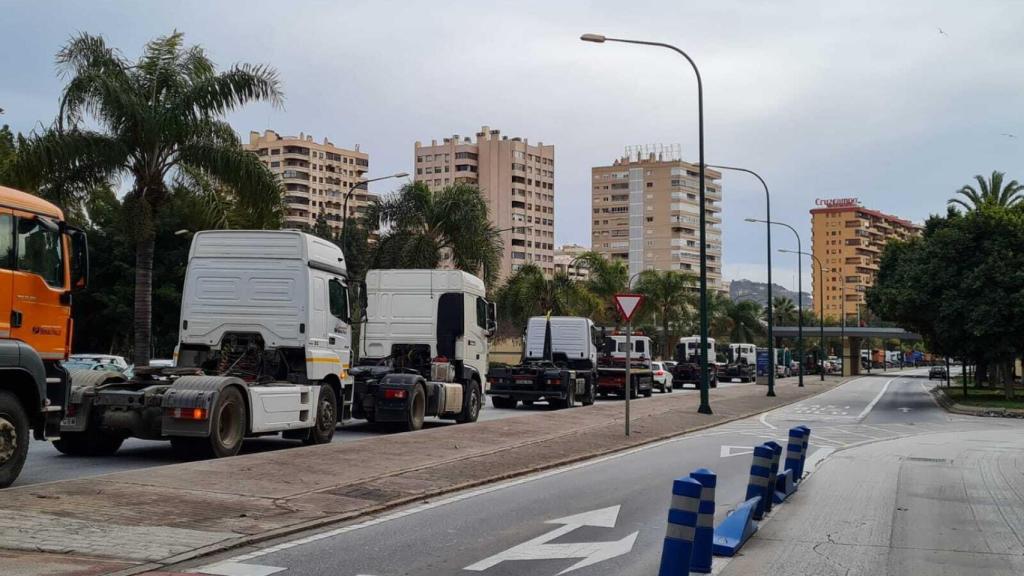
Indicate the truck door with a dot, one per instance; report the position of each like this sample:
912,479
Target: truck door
40,305
6,270
339,320
476,334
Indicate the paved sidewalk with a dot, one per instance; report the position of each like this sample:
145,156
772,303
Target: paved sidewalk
934,504
169,514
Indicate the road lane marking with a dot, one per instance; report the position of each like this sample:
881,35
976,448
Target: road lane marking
763,420
591,552
728,451
869,407
237,569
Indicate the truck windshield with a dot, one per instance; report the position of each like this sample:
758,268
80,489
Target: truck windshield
40,251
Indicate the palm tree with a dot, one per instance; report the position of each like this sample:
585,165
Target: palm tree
606,279
670,296
149,119
784,311
528,293
990,193
745,320
424,227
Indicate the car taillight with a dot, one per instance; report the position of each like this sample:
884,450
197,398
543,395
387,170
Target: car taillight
554,381
71,410
394,394
660,373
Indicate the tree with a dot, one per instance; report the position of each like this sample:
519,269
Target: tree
528,293
424,226
959,285
606,279
784,311
990,193
745,321
669,298
149,119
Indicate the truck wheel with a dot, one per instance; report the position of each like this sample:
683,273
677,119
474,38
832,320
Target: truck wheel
417,409
14,436
589,395
650,391
227,429
471,405
322,431
502,402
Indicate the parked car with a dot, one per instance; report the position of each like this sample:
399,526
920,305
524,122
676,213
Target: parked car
937,372
99,362
662,376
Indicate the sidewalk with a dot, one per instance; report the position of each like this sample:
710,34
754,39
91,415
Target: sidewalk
164,515
946,503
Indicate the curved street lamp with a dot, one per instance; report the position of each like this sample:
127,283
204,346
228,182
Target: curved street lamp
705,406
344,210
799,297
768,230
821,308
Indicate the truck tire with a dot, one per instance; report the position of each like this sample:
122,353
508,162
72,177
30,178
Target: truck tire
502,402
590,395
650,391
14,438
417,410
322,431
227,430
470,404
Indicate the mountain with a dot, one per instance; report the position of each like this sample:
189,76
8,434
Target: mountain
743,290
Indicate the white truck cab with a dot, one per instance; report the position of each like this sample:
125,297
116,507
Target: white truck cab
691,346
641,346
573,338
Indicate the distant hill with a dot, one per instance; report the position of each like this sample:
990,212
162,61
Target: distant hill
744,290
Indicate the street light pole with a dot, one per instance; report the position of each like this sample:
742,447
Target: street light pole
705,406
821,308
344,209
771,316
799,298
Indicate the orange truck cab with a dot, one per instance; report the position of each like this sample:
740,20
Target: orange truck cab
42,261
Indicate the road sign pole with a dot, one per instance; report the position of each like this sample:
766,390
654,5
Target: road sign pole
628,385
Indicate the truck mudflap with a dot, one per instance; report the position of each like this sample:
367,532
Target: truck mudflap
388,400
82,396
191,396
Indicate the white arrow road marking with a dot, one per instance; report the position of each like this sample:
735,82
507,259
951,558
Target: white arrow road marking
728,451
590,552
905,410
238,569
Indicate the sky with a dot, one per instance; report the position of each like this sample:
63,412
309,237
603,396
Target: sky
895,103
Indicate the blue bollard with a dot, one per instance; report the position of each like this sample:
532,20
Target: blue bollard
682,523
806,444
794,452
769,497
736,529
760,481
784,486
700,559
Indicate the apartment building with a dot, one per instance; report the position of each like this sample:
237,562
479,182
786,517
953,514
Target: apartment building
516,178
316,176
564,263
848,240
646,212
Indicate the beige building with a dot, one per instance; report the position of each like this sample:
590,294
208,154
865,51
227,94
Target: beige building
564,257
517,180
646,212
848,239
316,177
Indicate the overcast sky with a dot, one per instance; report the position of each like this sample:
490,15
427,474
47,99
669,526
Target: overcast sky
862,99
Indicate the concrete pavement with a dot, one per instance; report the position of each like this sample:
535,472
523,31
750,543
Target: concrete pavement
170,513
930,504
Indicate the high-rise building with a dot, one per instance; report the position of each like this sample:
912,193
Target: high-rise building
316,177
516,178
848,240
565,257
646,210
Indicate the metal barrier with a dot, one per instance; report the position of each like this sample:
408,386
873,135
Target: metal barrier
682,524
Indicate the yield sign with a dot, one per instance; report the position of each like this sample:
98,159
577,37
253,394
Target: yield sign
628,304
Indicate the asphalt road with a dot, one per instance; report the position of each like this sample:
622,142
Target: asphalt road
605,515
46,464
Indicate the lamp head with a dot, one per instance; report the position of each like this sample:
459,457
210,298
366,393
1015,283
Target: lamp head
596,38
749,220
400,175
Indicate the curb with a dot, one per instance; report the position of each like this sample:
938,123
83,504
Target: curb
978,411
250,540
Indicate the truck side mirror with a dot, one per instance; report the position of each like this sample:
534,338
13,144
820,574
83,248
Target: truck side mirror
363,304
607,345
79,260
492,318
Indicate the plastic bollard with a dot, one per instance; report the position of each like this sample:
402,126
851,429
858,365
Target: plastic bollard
682,524
806,444
794,451
769,497
736,529
700,558
757,487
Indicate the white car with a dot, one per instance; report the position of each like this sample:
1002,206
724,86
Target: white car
662,376
99,362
